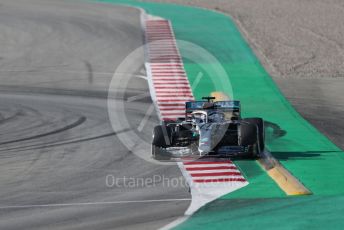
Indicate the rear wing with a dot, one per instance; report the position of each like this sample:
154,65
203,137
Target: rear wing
228,105
225,106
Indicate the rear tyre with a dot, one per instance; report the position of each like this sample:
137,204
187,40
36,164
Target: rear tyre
248,137
261,131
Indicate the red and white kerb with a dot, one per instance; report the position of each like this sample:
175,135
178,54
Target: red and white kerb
168,82
170,89
200,171
210,179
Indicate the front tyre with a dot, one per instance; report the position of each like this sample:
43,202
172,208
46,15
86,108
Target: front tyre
261,131
248,137
159,154
162,138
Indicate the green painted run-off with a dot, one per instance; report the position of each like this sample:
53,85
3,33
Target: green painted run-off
305,152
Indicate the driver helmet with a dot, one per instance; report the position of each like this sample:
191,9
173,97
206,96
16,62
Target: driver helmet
199,117
216,117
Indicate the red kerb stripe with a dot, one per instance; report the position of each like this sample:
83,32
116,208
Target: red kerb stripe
216,174
219,180
207,162
210,168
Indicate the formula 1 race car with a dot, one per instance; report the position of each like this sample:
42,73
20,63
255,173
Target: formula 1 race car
209,128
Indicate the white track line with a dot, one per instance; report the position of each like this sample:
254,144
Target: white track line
90,203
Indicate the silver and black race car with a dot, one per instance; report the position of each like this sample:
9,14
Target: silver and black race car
209,128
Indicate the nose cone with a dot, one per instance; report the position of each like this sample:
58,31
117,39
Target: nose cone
210,136
204,148
205,140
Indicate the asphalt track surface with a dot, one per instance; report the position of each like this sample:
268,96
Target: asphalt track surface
57,145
